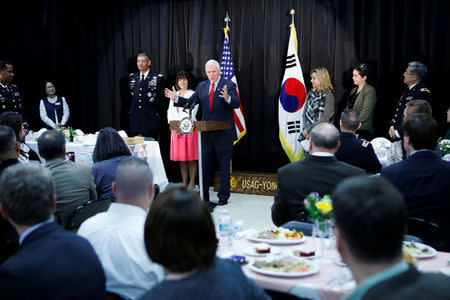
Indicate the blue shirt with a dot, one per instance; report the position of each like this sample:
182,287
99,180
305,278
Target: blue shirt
104,173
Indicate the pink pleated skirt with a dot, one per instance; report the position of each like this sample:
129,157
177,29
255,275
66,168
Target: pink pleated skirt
183,147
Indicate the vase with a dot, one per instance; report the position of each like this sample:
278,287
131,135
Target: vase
321,230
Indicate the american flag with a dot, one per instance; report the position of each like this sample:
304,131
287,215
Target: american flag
226,64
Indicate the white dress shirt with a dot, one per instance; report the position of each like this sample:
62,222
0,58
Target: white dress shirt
117,236
47,120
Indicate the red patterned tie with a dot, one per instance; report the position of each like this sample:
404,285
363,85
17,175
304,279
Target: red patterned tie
211,96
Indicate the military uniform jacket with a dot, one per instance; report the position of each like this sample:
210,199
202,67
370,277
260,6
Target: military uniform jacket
419,91
10,99
147,102
358,152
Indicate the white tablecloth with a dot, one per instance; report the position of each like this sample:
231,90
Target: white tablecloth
148,151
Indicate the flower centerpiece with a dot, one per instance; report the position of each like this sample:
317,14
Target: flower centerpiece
68,133
444,146
320,209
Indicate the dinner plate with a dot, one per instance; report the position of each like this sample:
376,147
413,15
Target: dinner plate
253,238
431,251
313,268
252,252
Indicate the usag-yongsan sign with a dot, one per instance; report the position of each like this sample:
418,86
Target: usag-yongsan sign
250,183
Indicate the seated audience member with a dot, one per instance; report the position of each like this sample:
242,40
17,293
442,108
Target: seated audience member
9,152
180,235
53,109
117,235
74,184
15,121
370,217
423,178
50,263
109,151
354,151
396,151
319,172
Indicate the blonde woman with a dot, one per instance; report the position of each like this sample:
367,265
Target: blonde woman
184,148
319,106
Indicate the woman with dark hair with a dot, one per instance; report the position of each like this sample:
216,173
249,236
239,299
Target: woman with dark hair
53,109
363,99
179,234
109,150
184,147
319,105
15,121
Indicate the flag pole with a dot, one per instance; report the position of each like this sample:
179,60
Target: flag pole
292,12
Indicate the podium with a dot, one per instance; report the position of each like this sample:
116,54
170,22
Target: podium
200,126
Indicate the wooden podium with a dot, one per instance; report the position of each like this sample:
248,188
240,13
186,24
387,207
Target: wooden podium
200,126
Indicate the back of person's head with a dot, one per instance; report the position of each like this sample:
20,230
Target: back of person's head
324,78
51,144
179,231
325,135
8,143
419,69
418,106
133,180
370,214
422,131
109,144
350,119
14,120
27,193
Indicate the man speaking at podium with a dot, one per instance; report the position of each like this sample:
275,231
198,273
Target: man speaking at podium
218,99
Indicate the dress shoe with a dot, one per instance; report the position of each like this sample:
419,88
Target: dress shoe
211,206
222,202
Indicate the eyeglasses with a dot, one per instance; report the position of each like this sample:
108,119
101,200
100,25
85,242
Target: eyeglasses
50,87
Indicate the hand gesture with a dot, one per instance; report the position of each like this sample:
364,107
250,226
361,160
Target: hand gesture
224,93
172,94
305,134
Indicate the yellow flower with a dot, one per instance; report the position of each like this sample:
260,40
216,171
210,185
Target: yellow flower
324,207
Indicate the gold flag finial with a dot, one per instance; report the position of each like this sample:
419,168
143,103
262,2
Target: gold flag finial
292,12
227,19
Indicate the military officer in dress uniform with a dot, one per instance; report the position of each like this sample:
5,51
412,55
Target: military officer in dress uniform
147,99
354,151
416,89
10,99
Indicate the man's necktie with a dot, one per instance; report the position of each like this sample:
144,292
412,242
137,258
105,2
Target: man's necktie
142,80
211,96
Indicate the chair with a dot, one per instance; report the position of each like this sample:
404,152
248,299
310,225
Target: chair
277,295
85,211
306,228
427,231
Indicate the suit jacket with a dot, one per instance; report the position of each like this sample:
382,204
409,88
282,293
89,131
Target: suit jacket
424,180
220,109
299,179
411,284
358,152
147,103
365,104
419,91
53,264
74,186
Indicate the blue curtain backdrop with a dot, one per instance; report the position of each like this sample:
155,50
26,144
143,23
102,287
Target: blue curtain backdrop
88,49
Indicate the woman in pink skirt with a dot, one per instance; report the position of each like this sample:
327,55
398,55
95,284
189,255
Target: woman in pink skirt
184,148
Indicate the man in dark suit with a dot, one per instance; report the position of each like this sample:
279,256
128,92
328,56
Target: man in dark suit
147,99
218,98
320,172
370,217
9,152
354,151
50,263
413,76
423,178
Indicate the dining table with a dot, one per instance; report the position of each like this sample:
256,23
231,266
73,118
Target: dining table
333,279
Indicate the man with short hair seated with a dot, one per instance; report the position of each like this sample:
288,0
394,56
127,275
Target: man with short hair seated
370,222
50,263
355,151
423,178
319,172
74,184
117,235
